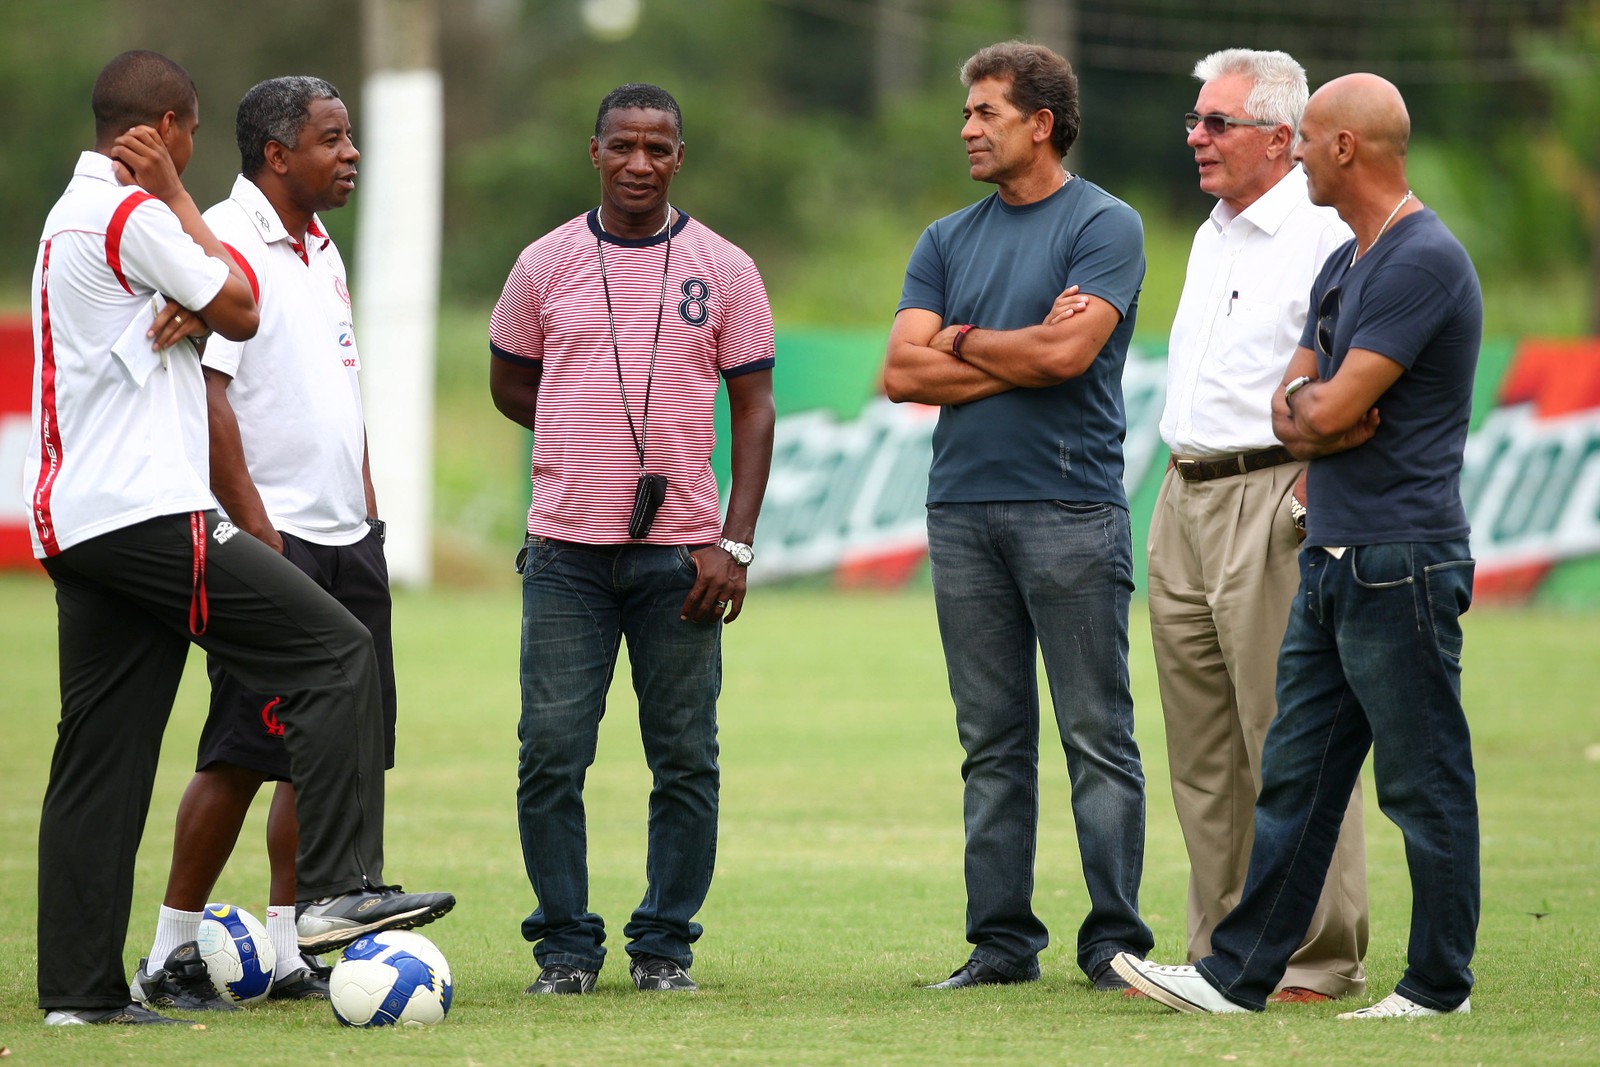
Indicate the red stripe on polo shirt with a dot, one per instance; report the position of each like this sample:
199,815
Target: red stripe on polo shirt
244,265
49,422
119,219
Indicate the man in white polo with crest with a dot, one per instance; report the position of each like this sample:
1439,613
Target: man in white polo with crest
289,466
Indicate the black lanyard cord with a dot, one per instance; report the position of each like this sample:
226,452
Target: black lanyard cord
616,352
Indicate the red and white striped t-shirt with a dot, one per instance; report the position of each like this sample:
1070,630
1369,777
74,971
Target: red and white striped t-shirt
715,320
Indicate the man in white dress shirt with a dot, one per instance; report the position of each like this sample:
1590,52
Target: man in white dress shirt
1227,524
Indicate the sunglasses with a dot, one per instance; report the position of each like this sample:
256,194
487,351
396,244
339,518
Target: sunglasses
1217,124
1327,317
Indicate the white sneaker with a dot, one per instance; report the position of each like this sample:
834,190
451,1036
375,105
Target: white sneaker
1180,988
1395,1006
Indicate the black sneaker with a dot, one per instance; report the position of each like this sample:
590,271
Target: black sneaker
183,984
132,1015
332,923
558,978
309,981
658,972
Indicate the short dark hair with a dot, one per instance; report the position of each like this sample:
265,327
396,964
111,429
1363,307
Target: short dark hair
136,89
275,110
639,95
1039,79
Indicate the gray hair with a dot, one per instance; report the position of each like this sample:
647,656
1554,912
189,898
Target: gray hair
275,110
1279,93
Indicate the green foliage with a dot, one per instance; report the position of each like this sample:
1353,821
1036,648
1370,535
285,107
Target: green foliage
838,882
45,78
794,154
1501,202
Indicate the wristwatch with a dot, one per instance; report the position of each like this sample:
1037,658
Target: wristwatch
1297,512
742,554
1296,385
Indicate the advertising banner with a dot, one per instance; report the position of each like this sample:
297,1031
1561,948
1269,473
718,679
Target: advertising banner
849,472
16,384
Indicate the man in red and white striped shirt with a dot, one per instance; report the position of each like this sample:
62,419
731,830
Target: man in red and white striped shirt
609,342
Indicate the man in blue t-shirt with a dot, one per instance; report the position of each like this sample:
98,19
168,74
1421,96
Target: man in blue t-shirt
1378,398
1015,318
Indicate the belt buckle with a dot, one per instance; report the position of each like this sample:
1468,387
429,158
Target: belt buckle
1188,469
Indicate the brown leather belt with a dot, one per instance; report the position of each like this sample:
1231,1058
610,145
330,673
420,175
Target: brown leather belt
1204,470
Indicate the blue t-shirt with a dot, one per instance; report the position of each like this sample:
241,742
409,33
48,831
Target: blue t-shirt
1413,298
1001,267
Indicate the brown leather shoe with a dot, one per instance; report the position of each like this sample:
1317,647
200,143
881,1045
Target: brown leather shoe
1294,994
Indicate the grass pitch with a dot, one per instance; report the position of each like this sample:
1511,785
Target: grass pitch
838,887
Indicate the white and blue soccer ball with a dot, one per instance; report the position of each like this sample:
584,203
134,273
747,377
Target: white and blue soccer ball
388,978
238,954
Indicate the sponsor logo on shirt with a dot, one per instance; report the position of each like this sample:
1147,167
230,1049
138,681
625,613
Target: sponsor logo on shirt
347,339
343,290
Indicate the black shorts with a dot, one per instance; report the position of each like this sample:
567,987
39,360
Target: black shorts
242,727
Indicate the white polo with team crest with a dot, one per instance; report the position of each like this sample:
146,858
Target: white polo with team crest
119,438
295,391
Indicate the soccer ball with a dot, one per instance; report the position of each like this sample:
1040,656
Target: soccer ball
390,977
237,952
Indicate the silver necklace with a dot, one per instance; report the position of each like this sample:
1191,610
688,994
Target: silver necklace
1385,226
600,217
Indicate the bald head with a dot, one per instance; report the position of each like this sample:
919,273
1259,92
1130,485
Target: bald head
1369,107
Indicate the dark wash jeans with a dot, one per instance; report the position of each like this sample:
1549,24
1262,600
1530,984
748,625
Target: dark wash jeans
1371,659
1010,580
578,603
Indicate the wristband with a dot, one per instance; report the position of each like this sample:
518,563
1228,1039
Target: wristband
961,335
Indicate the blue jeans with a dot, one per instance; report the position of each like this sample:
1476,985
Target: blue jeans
1009,580
1371,660
578,602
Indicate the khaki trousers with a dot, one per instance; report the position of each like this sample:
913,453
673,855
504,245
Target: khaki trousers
1223,572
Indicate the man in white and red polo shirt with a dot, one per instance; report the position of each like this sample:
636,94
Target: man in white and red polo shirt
125,525
609,342
289,466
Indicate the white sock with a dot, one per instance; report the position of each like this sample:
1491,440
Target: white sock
173,928
285,939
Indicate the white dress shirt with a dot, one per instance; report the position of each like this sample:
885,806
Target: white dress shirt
1240,318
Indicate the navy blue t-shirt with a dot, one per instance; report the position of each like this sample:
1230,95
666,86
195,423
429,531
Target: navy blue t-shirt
1001,267
1414,298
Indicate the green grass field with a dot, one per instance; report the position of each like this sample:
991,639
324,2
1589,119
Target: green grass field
838,886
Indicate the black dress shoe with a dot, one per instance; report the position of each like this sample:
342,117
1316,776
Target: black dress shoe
976,972
1106,980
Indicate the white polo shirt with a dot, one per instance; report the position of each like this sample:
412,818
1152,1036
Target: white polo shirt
114,441
295,391
1240,318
